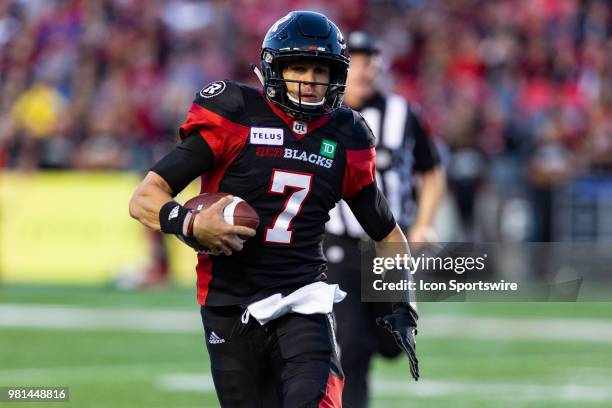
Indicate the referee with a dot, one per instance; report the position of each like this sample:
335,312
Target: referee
403,148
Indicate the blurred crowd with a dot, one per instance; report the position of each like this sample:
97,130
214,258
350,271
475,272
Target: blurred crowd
516,92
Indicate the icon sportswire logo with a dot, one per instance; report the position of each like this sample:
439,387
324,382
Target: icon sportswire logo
214,339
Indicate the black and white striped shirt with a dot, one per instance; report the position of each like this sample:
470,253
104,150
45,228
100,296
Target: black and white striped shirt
402,146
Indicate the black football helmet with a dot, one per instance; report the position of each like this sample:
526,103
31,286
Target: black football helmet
299,35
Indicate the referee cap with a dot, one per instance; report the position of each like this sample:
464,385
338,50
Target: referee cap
362,41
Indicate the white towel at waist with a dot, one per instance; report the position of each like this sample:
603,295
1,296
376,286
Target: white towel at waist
318,297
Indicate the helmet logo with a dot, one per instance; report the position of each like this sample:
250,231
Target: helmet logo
212,89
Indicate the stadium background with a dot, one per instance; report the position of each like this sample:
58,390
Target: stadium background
518,95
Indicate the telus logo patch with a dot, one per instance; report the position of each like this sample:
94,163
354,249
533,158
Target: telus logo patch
267,136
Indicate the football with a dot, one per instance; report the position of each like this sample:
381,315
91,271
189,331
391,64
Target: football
238,212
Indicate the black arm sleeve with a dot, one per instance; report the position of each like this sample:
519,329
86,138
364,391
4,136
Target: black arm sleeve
425,153
372,211
189,160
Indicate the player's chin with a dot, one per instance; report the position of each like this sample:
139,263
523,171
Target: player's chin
311,99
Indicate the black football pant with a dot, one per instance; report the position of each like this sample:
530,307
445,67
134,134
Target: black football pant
358,334
290,362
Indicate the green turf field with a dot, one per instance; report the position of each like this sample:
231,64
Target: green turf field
145,349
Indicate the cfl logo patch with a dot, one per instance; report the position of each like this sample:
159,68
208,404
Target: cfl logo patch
299,127
212,89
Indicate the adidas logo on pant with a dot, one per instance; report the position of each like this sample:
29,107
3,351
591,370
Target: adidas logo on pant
214,339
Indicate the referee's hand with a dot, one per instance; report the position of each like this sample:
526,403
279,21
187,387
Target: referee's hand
211,230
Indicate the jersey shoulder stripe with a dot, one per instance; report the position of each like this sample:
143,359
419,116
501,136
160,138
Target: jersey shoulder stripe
360,171
200,119
218,115
358,140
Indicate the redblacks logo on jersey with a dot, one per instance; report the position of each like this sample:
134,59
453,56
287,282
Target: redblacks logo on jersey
212,89
294,154
313,158
269,152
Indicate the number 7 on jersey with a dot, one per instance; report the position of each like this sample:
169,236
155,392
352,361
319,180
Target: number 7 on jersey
280,232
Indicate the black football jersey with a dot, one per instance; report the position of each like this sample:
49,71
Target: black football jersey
291,172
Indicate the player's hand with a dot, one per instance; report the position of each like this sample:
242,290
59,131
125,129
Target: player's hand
211,230
422,233
402,325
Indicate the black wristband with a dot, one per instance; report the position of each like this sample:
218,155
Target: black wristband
172,217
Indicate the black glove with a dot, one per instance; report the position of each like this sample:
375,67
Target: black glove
402,325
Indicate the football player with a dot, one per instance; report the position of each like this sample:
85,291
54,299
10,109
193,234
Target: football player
291,151
403,147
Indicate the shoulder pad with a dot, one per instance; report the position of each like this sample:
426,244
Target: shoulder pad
362,134
223,98
352,129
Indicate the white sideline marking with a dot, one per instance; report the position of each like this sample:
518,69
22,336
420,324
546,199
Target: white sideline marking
76,374
87,318
182,321
549,329
186,382
391,389
520,391
383,389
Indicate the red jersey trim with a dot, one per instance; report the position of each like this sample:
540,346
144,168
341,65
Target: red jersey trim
204,276
214,128
226,140
333,392
312,125
360,170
